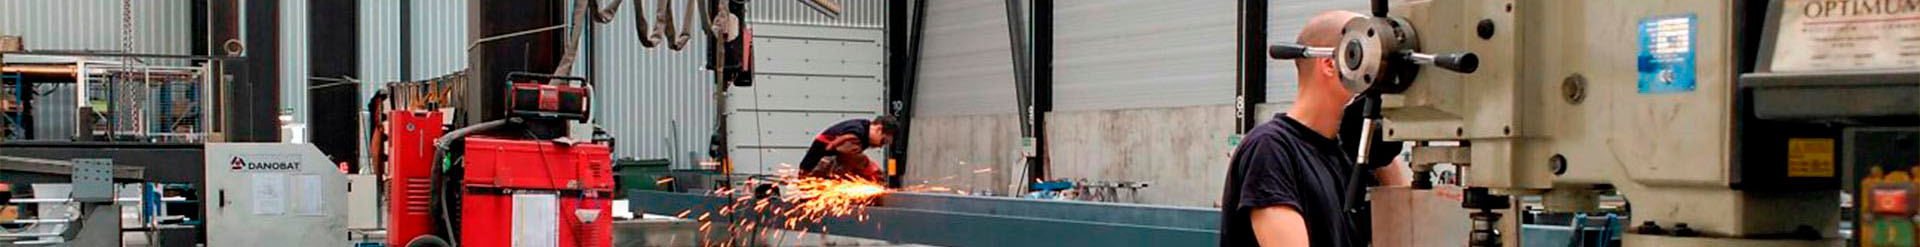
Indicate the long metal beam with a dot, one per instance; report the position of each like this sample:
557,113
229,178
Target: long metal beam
122,54
179,163
61,167
953,220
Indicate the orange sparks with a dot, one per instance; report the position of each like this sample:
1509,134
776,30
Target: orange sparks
804,203
817,197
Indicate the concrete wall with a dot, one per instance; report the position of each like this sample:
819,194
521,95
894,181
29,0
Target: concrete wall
974,153
1182,151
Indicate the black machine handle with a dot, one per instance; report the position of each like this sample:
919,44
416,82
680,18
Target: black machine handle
1463,62
1297,51
1379,8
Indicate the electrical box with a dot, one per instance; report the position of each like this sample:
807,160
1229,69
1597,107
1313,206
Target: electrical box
363,202
273,194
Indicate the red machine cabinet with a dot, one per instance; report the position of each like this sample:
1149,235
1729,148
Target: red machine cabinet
411,162
579,175
488,221
532,164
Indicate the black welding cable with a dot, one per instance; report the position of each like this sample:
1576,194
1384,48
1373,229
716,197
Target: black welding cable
374,115
440,148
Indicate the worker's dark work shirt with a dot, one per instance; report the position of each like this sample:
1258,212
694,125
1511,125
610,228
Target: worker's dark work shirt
856,127
1282,162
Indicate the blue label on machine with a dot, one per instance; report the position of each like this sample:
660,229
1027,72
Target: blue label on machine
1666,54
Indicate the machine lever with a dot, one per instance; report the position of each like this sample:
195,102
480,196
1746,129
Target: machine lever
1463,62
1297,51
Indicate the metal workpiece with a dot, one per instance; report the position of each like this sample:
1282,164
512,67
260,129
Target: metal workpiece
60,167
153,162
956,220
1409,217
1637,239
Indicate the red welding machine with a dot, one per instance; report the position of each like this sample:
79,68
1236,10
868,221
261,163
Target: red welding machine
513,190
536,191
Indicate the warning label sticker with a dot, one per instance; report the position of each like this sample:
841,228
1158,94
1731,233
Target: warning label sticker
1810,157
1666,54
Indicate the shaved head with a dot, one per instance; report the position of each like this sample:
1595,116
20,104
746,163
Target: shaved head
1321,97
1322,31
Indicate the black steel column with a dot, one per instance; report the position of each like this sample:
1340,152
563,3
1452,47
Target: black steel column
1251,89
333,100
200,14
1042,82
896,78
254,106
904,38
489,62
406,40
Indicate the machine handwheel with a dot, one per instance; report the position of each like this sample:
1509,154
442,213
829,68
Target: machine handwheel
428,241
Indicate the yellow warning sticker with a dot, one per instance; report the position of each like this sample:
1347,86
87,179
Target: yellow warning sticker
1810,157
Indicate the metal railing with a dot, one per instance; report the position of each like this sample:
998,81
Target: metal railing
83,98
145,103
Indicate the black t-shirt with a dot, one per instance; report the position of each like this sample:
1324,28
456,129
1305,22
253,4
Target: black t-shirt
1282,162
857,127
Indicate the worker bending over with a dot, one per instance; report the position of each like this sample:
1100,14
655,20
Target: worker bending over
842,148
1287,183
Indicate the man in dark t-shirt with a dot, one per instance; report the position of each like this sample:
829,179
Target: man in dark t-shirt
1288,181
1285,165
843,143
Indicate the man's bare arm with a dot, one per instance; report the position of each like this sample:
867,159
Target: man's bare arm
1279,226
